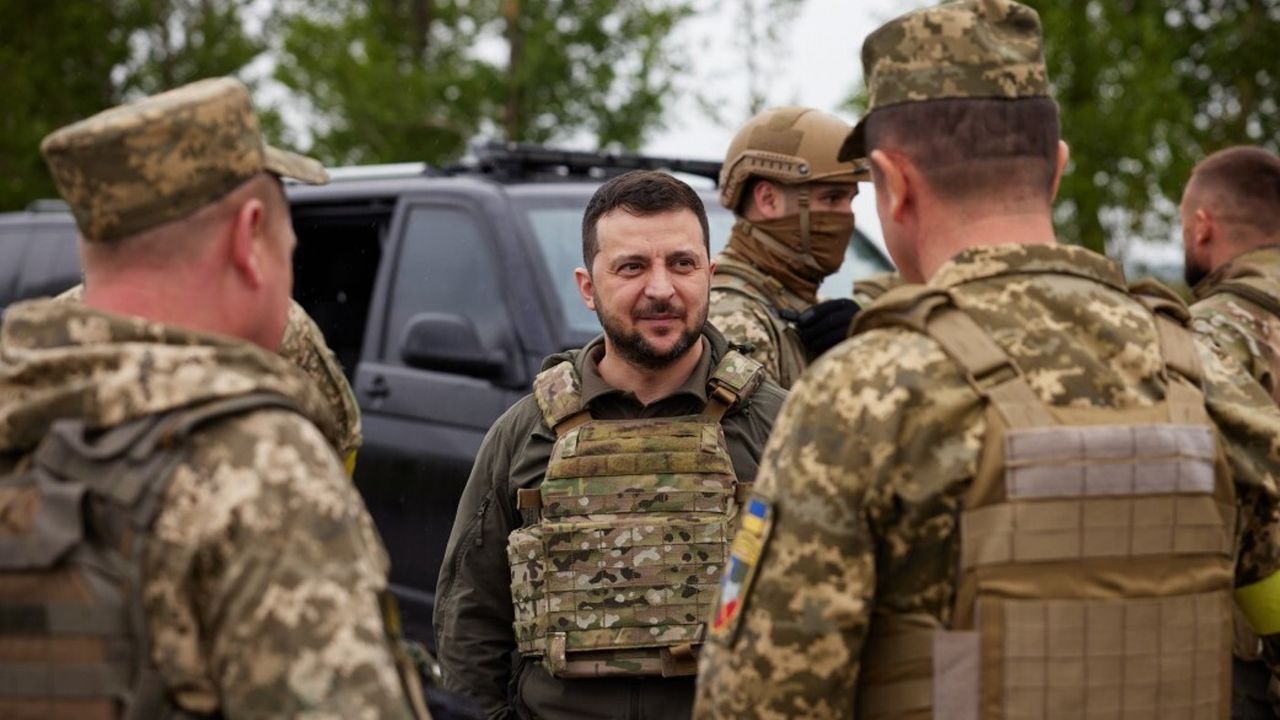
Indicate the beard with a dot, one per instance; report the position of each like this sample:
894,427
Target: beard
1193,272
635,348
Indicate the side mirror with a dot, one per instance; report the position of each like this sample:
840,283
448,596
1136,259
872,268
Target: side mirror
449,343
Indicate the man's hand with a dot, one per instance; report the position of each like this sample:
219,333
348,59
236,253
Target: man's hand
824,325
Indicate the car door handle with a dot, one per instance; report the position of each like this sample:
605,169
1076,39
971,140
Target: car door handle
377,389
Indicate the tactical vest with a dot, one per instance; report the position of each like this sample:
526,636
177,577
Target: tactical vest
617,567
1096,550
743,279
77,518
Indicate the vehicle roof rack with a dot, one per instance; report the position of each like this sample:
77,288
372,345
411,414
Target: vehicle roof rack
506,161
48,205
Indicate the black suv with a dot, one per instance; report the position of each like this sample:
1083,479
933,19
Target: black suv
441,291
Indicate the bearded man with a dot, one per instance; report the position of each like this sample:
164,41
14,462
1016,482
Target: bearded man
589,541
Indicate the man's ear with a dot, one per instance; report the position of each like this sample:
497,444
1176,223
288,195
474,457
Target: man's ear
1205,227
895,183
1064,155
586,287
768,200
248,239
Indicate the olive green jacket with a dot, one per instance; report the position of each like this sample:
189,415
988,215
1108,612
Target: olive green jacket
473,613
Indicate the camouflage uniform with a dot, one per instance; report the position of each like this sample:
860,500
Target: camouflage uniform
868,290
1238,308
871,455
305,347
747,312
261,570
474,612
861,495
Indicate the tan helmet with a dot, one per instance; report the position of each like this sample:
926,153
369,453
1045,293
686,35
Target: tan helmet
789,145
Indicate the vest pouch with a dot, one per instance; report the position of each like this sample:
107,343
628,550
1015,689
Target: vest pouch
63,621
634,582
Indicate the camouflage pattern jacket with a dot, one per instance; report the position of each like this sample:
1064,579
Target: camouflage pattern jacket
878,442
473,612
1238,308
263,567
746,311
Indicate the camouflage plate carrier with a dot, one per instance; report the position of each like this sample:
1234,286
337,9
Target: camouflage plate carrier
74,523
743,279
618,564
1096,550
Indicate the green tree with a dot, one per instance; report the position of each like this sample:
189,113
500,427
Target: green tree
56,60
1148,88
62,61
393,80
186,40
385,80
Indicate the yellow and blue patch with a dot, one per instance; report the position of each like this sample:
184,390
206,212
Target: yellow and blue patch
744,558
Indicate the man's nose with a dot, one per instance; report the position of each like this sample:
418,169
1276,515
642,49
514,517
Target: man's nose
659,285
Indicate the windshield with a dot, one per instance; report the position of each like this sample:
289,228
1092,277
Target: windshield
556,222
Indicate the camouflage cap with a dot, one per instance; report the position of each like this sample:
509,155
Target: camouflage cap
960,49
146,163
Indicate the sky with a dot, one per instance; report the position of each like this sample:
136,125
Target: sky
817,64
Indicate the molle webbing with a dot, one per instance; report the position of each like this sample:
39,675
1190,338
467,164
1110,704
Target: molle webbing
558,391
1095,555
620,559
70,602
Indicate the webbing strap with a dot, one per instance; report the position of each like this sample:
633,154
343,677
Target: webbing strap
62,680
721,399
895,699
988,368
767,286
572,422
56,618
56,528
1242,288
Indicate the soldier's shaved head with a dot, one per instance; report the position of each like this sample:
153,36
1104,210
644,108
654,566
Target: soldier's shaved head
1241,185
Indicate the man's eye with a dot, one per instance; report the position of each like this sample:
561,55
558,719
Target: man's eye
629,267
686,264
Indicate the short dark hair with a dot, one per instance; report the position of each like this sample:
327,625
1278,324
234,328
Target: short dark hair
970,147
639,192
1248,179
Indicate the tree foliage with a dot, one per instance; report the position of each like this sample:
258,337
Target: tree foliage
50,75
1148,88
415,79
371,80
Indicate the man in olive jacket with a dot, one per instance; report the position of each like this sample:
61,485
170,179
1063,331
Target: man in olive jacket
637,450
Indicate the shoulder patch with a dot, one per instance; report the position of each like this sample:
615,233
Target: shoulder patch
744,558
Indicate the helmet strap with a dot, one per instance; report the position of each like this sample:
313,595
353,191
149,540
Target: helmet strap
806,243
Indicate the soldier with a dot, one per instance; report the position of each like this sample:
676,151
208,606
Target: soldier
179,538
1020,490
592,530
793,202
1231,233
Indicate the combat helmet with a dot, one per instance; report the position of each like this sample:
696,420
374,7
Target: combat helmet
788,145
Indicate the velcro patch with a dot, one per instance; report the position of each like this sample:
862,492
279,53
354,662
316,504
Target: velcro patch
744,558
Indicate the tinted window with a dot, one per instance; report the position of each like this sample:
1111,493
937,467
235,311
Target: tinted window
446,266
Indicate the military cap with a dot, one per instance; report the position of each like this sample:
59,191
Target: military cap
961,49
161,158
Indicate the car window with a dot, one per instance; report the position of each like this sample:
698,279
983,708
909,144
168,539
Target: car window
445,265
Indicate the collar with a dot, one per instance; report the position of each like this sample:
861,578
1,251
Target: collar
1260,261
991,261
594,387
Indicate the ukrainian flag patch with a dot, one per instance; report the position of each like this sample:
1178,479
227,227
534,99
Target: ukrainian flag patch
744,558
